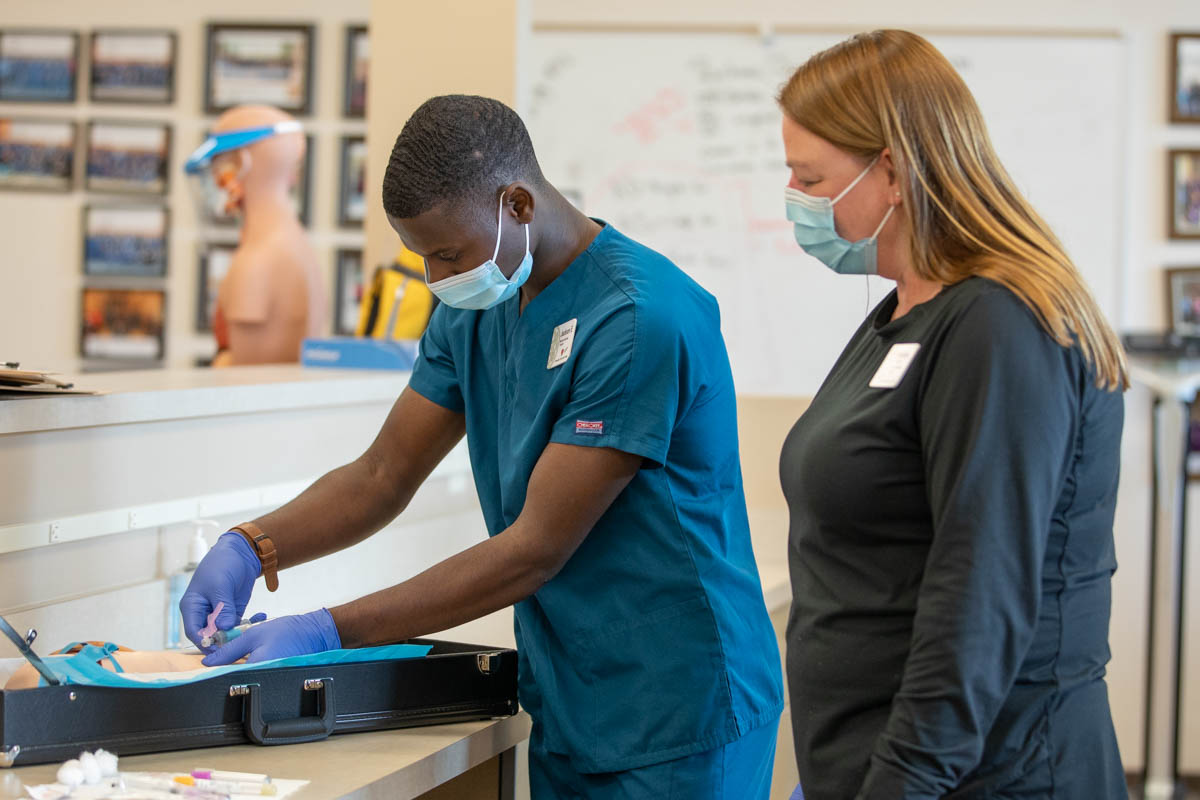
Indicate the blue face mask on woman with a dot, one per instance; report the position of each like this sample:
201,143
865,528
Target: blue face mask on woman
485,286
812,222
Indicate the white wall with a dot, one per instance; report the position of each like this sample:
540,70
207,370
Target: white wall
1145,26
40,257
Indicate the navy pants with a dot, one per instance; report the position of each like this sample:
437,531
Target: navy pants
741,770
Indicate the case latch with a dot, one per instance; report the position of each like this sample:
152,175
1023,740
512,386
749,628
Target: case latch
487,662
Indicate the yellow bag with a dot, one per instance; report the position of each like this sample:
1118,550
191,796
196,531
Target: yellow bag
397,304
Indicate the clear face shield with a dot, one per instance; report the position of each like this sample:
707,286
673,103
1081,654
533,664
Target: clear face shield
216,164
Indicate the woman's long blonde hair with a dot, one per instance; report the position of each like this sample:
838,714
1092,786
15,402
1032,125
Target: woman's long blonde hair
893,89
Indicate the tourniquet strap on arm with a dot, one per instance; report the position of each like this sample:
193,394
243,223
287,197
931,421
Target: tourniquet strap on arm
105,648
265,548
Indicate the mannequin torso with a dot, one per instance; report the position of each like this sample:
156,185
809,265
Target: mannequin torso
273,296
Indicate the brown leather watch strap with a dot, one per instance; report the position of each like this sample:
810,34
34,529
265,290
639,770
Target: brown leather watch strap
265,549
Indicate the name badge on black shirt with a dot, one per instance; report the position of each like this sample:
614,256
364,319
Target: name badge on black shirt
894,365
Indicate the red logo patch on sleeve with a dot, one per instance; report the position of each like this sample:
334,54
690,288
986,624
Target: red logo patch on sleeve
584,426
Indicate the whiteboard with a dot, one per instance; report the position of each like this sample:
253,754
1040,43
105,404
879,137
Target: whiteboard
674,138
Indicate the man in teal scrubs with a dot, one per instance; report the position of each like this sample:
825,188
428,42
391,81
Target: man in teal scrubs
591,380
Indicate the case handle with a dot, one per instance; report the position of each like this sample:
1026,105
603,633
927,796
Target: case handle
288,731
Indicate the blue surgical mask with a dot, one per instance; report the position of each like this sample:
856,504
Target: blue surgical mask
485,286
812,222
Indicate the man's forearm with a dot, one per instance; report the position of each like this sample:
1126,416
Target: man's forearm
569,490
341,508
487,577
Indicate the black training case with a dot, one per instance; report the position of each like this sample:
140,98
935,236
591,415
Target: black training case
283,705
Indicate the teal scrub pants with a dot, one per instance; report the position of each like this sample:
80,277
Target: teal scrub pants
741,770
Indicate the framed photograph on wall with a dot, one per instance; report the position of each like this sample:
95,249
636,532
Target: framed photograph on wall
262,64
37,154
125,240
299,192
38,66
128,157
1184,187
131,66
352,204
358,57
1185,77
1183,300
123,324
348,292
215,260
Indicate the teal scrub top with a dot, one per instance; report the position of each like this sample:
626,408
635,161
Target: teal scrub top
653,641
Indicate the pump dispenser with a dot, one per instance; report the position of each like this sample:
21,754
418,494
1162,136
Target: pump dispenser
178,581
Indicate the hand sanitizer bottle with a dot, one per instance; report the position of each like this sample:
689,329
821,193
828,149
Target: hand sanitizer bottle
177,582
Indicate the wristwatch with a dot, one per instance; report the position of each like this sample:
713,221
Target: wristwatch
265,549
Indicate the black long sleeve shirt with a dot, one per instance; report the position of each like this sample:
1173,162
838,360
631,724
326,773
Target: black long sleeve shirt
951,554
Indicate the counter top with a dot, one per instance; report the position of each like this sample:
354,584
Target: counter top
1178,378
154,395
394,764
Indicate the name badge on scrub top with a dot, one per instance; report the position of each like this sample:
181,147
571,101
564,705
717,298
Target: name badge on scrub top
894,365
560,344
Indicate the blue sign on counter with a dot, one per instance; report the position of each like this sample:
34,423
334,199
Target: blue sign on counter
352,352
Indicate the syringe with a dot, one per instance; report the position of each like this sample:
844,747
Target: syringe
219,638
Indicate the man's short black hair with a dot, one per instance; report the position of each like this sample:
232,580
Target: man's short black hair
456,148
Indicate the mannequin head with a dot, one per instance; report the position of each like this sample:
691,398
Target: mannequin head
262,171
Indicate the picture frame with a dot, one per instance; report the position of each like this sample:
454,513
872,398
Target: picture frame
1183,300
38,65
123,325
348,291
132,66
37,154
127,240
1185,77
352,204
1183,198
258,64
128,157
301,193
357,64
215,260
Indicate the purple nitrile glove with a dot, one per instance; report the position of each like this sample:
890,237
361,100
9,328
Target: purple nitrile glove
298,635
225,575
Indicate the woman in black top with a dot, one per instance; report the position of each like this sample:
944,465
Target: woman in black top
952,485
